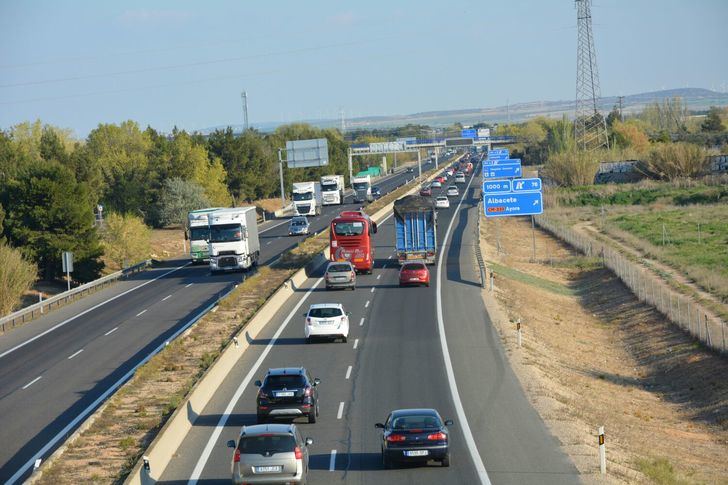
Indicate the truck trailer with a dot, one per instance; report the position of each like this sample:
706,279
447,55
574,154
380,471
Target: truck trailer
332,189
415,229
233,243
307,198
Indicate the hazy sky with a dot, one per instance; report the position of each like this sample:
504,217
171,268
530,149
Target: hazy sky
166,63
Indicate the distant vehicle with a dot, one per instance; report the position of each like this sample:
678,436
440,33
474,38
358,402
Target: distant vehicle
436,184
442,202
306,198
198,233
415,435
410,170
452,191
376,192
362,188
326,320
460,178
332,189
350,239
449,172
287,392
234,243
441,178
426,191
340,275
415,229
414,274
299,225
270,453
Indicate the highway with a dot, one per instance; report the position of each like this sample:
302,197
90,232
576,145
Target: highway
56,370
407,347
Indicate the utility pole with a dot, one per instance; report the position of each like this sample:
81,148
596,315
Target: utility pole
620,100
590,127
343,121
244,95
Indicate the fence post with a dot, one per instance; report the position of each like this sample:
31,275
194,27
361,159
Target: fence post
722,333
678,311
690,320
707,331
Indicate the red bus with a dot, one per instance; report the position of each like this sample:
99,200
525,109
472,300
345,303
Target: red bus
350,239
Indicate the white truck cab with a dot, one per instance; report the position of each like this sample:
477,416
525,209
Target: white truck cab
233,243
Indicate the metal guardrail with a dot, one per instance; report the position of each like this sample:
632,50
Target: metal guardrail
34,311
478,252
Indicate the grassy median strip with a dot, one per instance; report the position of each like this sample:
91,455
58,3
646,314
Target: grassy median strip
129,421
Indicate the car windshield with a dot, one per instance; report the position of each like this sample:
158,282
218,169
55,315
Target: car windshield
288,381
413,267
361,185
267,444
339,268
352,228
299,197
329,187
326,312
416,422
199,233
298,222
225,233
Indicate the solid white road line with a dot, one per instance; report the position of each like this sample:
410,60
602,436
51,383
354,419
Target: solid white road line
356,343
111,331
366,305
32,382
59,325
332,461
348,372
187,286
212,441
167,297
361,322
141,313
74,354
341,410
462,418
372,290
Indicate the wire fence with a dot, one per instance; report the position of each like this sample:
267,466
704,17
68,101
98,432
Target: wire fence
682,310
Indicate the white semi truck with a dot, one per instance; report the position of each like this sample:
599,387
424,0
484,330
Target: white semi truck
332,189
362,188
233,243
198,233
306,198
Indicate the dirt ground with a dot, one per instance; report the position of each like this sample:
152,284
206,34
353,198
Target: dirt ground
592,356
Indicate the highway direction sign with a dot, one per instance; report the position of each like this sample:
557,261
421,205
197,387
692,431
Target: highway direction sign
307,153
514,204
469,133
500,161
496,186
502,170
498,154
527,185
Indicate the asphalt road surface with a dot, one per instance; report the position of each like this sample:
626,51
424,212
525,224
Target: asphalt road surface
394,358
56,370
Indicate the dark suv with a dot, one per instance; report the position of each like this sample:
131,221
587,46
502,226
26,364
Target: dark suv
287,392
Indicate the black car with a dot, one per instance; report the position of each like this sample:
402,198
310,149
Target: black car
376,192
287,392
410,170
414,435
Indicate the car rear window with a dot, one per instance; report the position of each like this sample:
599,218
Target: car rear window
325,312
285,381
441,197
267,444
339,268
413,266
416,422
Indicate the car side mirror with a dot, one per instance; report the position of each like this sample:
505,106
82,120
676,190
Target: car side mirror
316,381
231,444
305,315
258,384
374,227
379,425
186,238
309,441
448,422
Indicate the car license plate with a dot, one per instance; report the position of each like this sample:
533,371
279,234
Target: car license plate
414,279
416,453
268,469
358,260
284,394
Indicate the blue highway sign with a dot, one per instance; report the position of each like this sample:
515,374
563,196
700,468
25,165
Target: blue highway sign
470,133
496,186
501,161
499,154
527,185
514,204
506,170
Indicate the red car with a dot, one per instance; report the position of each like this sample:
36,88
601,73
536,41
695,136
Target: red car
441,179
414,274
426,192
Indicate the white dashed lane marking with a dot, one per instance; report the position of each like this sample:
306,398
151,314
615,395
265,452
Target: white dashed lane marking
74,354
32,382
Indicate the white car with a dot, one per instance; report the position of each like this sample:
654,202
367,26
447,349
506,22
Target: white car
326,320
452,191
442,202
459,178
435,184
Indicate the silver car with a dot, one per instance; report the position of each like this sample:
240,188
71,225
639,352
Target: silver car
270,453
299,225
340,274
